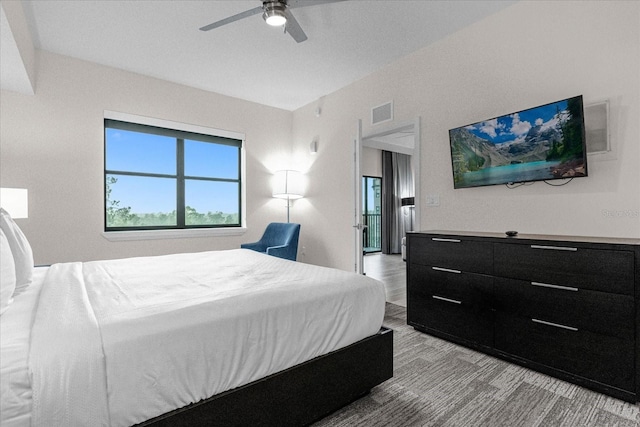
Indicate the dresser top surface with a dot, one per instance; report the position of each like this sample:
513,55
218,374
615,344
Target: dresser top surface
557,238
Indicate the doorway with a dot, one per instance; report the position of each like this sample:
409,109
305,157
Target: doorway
403,138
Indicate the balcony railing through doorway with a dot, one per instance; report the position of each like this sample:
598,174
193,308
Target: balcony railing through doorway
372,232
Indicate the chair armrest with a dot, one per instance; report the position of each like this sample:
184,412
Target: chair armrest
282,251
256,246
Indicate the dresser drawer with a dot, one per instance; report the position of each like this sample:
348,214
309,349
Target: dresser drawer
599,312
595,269
458,304
451,252
473,290
608,360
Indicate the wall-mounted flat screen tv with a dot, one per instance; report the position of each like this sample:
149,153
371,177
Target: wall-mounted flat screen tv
538,144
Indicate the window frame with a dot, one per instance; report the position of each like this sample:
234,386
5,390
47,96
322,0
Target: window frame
181,132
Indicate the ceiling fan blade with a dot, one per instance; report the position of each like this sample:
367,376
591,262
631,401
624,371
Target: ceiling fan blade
233,18
291,4
293,28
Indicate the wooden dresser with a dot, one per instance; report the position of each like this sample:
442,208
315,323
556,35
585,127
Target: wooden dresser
565,306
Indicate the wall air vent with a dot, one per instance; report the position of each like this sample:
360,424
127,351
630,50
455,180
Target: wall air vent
382,113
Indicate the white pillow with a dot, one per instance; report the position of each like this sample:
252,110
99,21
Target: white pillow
7,273
21,250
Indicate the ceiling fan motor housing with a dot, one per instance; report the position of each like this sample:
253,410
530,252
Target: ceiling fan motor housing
274,12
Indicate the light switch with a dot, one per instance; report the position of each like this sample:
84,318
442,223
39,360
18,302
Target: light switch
433,200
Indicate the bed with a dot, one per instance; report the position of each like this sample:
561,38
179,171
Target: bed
212,338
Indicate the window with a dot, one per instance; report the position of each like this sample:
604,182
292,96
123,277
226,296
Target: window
162,178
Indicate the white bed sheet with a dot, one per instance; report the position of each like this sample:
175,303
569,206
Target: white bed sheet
15,332
172,330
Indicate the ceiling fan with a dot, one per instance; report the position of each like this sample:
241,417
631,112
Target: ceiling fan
275,13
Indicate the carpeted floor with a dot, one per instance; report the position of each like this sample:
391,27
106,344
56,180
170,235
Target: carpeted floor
437,383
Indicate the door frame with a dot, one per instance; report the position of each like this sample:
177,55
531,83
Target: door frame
375,139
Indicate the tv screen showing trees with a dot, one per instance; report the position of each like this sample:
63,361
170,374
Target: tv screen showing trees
538,144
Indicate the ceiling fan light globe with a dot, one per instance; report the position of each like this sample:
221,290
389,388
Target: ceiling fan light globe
274,18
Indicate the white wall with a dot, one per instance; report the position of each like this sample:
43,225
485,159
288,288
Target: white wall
18,67
531,53
371,162
52,144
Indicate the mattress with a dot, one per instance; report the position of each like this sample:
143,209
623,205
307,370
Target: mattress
118,342
15,332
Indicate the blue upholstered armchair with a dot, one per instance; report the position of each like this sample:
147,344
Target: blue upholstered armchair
280,239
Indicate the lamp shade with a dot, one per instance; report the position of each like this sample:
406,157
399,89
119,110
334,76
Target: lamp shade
15,201
408,201
287,184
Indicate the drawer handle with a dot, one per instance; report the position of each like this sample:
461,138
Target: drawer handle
438,239
447,299
554,248
447,270
547,285
557,325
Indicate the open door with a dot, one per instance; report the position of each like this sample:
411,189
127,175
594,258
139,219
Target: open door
358,227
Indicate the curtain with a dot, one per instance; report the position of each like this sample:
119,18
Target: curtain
397,182
388,205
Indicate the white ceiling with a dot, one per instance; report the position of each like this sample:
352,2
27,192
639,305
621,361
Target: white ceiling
248,59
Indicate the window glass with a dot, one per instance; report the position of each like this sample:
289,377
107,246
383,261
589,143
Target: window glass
140,152
211,160
211,202
157,178
138,201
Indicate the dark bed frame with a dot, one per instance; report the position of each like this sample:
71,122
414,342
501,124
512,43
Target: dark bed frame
297,396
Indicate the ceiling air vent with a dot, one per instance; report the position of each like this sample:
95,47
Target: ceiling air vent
382,113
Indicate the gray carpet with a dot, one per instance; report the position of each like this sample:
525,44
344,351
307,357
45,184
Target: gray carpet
437,383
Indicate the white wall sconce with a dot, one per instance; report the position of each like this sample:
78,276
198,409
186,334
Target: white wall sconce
288,185
313,147
15,201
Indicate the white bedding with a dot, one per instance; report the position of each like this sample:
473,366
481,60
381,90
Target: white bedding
144,336
15,331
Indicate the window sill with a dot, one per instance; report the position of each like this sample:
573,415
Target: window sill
118,236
